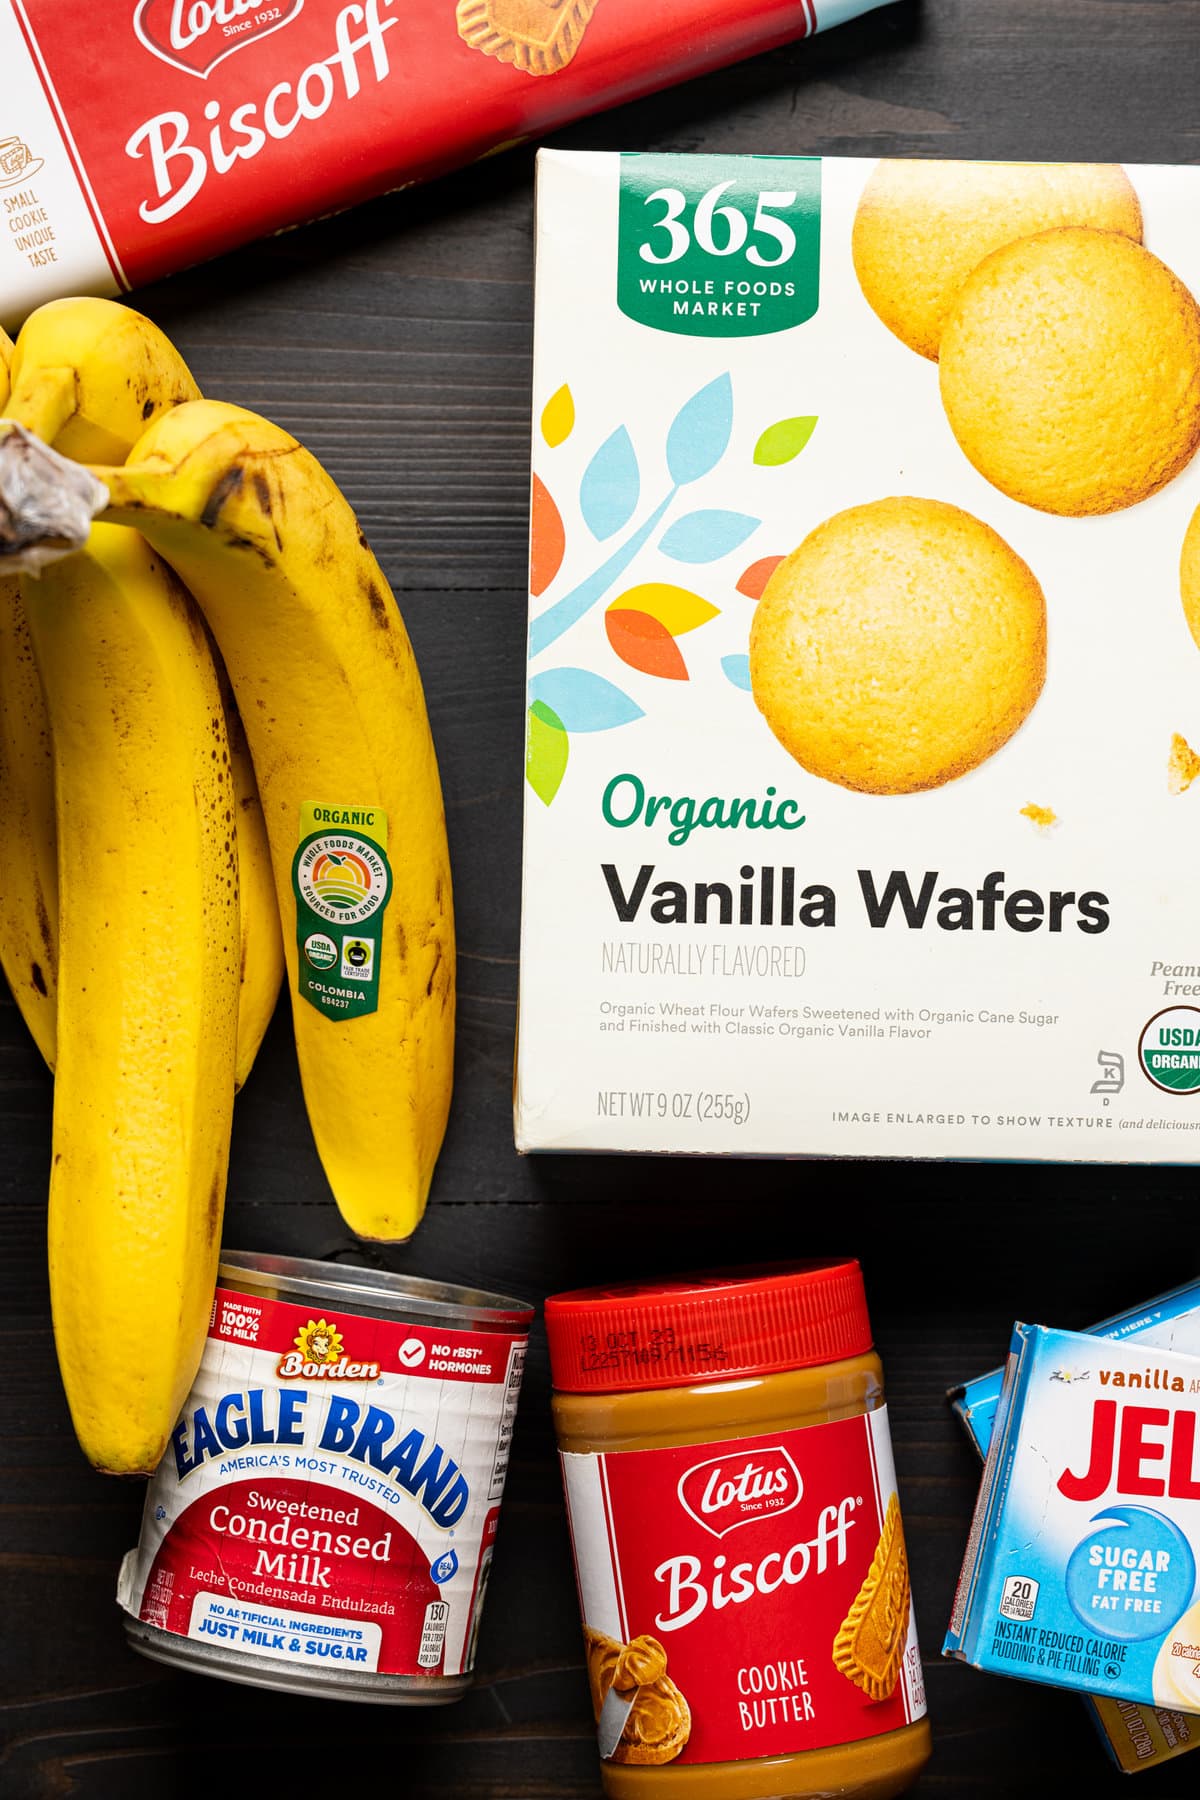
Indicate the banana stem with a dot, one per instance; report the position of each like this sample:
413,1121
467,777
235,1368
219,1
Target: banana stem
43,401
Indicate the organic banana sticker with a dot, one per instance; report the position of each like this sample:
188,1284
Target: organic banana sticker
342,882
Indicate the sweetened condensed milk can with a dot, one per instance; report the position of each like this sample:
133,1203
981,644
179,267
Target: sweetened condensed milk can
324,1517
742,1572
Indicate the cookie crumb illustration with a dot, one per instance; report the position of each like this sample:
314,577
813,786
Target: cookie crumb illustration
901,644
1070,371
1041,816
537,36
921,227
660,1720
1183,765
869,1646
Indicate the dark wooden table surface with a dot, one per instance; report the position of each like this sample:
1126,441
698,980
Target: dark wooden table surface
395,341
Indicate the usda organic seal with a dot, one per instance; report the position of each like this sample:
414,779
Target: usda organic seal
1169,1050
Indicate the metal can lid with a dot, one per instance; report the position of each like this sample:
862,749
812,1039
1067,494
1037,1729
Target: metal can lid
375,1292
712,1325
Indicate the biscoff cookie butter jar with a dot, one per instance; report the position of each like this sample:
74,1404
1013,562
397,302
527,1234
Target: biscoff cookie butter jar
743,1579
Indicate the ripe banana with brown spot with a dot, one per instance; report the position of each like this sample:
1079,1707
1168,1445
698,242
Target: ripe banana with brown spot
148,987
262,959
87,376
29,894
329,692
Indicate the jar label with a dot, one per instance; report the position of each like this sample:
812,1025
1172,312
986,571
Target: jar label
330,1494
748,1598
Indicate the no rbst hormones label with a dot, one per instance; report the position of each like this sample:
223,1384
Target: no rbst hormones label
331,1492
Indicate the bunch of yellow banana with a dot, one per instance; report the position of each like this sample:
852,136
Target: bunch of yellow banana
126,958
86,375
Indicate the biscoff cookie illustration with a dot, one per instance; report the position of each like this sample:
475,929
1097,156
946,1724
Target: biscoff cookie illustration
869,1646
1070,371
538,36
921,227
660,1720
900,645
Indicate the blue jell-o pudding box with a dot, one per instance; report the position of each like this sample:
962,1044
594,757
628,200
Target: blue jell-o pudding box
1170,1321
1081,1568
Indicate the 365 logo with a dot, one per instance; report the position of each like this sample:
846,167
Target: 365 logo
728,1491
195,35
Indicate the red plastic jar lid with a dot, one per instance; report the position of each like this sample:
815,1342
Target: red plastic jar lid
714,1325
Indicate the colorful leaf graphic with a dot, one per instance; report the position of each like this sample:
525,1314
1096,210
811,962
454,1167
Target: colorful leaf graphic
737,669
547,538
558,417
609,490
583,701
645,643
676,608
546,751
753,580
702,537
699,433
568,610
782,441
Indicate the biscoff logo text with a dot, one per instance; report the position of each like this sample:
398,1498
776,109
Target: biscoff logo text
180,167
692,1588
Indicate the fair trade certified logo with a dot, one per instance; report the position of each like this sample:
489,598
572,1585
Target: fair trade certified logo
342,878
195,35
1169,1050
739,1489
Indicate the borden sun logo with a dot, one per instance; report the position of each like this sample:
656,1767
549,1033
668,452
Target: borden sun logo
319,1342
195,35
342,879
319,1356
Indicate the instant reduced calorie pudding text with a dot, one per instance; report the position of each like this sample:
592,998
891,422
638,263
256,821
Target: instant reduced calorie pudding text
325,1514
